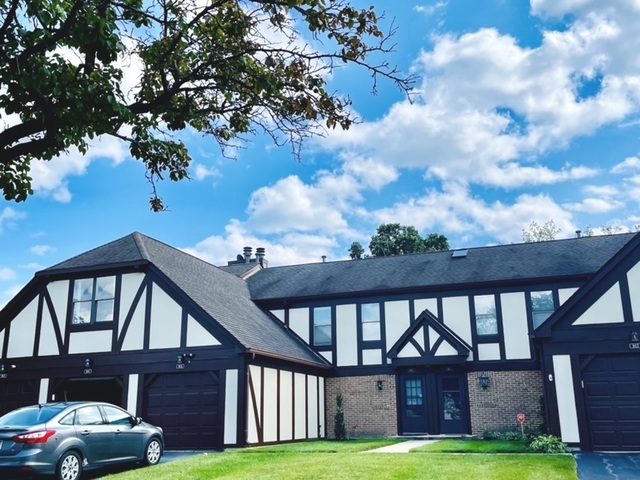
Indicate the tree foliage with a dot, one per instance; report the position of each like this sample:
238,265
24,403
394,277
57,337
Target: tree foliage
396,239
223,68
540,233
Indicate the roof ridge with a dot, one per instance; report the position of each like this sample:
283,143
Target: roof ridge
138,238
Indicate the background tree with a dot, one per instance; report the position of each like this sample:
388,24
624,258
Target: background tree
396,239
436,242
540,233
356,251
224,68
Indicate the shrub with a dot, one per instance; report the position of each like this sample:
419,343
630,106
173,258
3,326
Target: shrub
548,444
339,428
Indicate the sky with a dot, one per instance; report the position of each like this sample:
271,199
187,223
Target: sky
523,111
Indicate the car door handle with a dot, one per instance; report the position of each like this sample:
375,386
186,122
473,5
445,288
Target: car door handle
118,432
85,432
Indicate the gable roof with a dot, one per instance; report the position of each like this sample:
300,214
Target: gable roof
570,258
592,290
223,296
429,355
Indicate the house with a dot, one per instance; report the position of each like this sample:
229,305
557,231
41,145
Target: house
451,342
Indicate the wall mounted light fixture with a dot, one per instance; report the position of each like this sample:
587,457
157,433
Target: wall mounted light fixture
87,363
1,367
379,384
483,380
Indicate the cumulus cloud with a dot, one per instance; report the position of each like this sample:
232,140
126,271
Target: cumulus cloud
291,248
41,250
8,217
629,164
7,274
489,105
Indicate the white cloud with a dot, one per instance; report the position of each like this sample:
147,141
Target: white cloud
291,248
41,249
466,217
629,164
489,109
430,10
291,205
8,217
201,172
7,274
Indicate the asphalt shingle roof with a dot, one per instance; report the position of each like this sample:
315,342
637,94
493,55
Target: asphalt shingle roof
502,263
223,296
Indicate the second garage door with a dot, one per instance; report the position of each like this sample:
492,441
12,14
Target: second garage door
187,406
612,398
14,394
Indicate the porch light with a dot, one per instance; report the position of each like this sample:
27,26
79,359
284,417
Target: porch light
483,380
87,363
379,384
1,367
180,359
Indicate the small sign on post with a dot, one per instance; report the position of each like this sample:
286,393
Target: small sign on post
520,418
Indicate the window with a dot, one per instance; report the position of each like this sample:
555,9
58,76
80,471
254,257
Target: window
89,416
370,319
541,306
115,416
486,319
322,326
93,300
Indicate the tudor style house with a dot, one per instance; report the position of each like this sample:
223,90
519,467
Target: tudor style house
451,342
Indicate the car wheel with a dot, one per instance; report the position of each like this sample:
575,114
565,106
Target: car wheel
69,467
153,452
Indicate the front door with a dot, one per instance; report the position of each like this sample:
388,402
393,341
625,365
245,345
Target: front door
452,403
414,404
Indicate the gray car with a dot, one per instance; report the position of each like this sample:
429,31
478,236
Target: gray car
63,438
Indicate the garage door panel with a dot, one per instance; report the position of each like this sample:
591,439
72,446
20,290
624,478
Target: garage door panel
627,388
601,413
185,405
15,394
612,398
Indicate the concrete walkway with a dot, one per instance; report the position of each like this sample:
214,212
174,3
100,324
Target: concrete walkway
402,447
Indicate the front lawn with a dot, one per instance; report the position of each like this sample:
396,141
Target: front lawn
474,446
343,460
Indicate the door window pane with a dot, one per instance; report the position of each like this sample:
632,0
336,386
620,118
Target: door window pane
89,416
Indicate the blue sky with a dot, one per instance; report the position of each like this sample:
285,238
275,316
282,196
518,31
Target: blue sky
524,111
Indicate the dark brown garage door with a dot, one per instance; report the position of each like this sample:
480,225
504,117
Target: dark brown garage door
14,394
612,397
186,406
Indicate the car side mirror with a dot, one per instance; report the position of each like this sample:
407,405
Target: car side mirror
138,420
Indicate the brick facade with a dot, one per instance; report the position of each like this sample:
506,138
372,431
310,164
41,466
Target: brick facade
508,394
368,411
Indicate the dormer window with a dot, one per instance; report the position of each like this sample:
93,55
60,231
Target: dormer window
93,300
541,306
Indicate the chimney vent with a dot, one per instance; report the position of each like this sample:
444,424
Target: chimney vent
260,253
578,233
247,254
324,258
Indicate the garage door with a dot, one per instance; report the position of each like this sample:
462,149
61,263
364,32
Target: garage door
186,406
14,394
612,397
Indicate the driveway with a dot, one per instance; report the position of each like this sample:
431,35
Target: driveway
608,466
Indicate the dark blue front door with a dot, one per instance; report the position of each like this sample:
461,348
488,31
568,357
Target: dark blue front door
414,405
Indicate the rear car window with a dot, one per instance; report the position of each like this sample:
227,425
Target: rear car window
30,415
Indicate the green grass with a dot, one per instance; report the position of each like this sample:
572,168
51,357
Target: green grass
474,446
342,460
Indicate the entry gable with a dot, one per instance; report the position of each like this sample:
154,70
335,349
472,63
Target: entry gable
611,298
429,342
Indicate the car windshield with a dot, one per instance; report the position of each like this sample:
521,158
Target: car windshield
30,415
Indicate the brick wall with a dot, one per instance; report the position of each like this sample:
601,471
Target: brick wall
368,412
509,394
